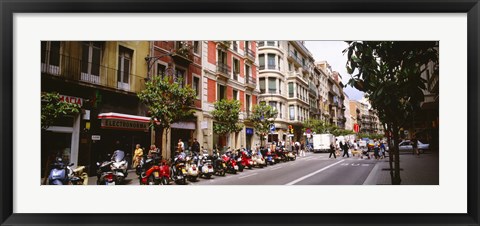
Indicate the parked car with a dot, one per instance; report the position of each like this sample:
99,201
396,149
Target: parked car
406,145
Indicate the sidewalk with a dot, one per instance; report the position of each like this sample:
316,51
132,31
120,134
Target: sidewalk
415,170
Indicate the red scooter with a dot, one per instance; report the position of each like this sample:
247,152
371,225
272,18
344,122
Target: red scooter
247,160
231,163
155,173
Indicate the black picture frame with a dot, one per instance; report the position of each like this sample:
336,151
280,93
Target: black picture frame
10,7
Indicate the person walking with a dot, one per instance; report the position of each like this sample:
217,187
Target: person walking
332,150
195,146
376,147
345,148
180,146
415,146
137,156
297,147
302,149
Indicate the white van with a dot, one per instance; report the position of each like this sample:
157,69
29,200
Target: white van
321,142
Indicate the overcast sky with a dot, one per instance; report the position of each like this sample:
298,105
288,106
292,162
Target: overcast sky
331,51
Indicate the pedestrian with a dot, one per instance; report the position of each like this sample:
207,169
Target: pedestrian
195,146
297,148
302,149
382,149
137,156
345,149
355,149
332,150
376,147
180,146
415,146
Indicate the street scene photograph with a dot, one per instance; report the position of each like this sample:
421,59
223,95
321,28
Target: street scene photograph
239,112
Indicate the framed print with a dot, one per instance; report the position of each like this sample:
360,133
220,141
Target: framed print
270,112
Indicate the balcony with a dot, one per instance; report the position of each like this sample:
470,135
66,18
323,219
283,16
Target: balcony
250,55
294,58
251,82
312,89
182,56
224,44
94,75
223,70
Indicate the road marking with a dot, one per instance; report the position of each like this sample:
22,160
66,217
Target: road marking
249,175
276,168
311,174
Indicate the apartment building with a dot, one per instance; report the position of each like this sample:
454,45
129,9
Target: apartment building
103,77
230,71
287,83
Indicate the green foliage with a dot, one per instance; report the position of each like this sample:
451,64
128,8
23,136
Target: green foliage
263,116
370,136
317,126
167,101
389,74
226,116
53,108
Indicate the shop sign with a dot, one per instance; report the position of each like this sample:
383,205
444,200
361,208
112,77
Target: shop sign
124,124
73,100
96,137
249,131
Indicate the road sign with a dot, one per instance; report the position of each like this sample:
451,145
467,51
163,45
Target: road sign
272,127
308,131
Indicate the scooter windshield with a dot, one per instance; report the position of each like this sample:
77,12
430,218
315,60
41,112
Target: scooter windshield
118,155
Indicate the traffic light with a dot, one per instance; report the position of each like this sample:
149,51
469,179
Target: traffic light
290,129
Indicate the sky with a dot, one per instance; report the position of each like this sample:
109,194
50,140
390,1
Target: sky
331,51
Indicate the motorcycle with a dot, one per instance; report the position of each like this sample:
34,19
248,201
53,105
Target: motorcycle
105,175
178,172
119,166
60,174
205,166
270,158
291,156
153,173
280,155
231,163
246,160
192,169
258,160
219,165
80,176
239,161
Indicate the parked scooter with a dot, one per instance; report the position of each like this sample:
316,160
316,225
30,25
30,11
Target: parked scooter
219,165
153,172
60,174
105,175
270,157
231,163
246,160
205,166
119,166
192,169
258,160
178,172
291,155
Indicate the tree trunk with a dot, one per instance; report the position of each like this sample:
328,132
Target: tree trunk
159,139
396,179
391,151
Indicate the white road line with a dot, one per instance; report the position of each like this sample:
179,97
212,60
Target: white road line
311,174
249,175
276,168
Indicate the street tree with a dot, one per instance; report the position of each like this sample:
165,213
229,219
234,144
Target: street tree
389,73
226,116
316,125
263,116
167,102
53,108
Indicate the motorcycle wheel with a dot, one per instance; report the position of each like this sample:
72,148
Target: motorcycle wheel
151,180
223,173
208,176
184,181
164,181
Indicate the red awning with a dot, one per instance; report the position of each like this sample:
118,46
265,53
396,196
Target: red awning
113,115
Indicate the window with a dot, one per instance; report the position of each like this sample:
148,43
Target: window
236,69
262,85
290,89
124,66
273,104
196,86
289,67
292,112
271,61
261,61
270,43
196,47
180,76
279,63
261,43
280,111
247,104
161,70
280,86
247,74
235,94
222,57
51,57
221,92
235,45
272,85
90,65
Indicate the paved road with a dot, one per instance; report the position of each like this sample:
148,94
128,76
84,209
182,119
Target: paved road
313,169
